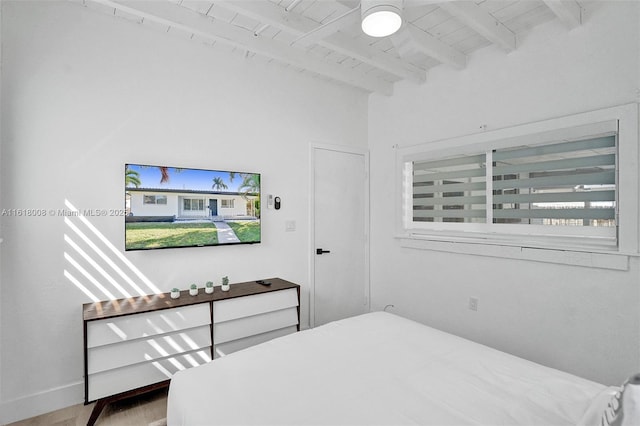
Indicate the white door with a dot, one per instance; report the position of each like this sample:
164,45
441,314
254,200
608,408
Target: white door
340,286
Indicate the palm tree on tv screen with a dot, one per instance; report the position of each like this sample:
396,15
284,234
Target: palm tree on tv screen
218,183
250,185
131,178
164,173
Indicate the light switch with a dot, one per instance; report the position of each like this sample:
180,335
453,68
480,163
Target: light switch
290,225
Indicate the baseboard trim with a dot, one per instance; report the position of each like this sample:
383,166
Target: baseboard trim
42,402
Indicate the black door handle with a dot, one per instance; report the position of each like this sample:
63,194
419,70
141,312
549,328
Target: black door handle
320,251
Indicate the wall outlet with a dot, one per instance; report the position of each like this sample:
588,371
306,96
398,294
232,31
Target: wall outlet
473,303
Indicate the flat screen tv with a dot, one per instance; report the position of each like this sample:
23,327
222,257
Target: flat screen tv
168,207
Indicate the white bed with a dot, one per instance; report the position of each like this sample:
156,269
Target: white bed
380,369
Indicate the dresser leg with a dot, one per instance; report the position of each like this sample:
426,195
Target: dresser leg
103,402
97,409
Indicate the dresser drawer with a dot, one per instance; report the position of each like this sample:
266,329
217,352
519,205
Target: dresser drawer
256,324
236,345
119,329
112,382
230,309
107,357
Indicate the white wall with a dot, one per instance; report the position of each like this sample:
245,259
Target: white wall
582,320
83,94
1,201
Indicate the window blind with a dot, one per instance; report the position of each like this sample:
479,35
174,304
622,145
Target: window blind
566,183
563,183
450,190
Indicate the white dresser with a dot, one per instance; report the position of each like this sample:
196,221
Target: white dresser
135,345
246,321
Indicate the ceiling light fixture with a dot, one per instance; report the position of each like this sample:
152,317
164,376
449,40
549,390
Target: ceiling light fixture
381,18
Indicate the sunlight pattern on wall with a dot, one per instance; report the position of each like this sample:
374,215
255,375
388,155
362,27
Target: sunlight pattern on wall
86,274
79,285
95,266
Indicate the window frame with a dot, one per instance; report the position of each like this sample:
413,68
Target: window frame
622,119
191,200
229,201
155,199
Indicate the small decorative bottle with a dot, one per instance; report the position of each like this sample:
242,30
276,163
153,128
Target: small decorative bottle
225,283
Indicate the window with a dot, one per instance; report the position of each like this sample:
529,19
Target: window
561,184
564,190
227,204
554,188
450,190
155,199
193,204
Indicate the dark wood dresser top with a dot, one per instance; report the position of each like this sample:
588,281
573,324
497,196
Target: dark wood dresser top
154,302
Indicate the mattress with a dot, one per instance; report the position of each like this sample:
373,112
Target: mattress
378,369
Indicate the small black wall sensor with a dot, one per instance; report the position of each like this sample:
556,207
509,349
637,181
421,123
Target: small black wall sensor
277,203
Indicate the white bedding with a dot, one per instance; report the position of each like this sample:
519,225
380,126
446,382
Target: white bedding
377,369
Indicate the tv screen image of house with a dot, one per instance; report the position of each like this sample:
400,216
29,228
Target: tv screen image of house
180,207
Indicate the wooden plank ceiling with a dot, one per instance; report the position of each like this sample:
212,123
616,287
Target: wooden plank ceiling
324,38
